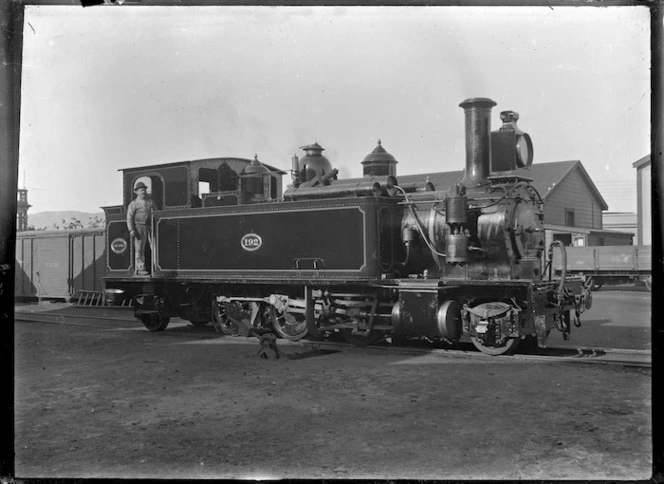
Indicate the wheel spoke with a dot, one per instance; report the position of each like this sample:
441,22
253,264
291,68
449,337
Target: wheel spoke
290,326
221,321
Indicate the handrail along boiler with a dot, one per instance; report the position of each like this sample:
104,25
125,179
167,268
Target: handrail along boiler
366,258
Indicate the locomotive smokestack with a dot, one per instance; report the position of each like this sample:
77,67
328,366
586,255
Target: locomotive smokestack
478,140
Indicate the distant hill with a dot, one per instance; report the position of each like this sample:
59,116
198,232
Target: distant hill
46,220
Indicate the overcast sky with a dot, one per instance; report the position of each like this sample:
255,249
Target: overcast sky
114,87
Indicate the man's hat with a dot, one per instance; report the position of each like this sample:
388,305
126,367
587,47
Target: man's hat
140,185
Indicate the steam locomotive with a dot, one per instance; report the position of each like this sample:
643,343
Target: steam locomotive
366,258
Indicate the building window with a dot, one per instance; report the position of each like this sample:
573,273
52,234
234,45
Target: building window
579,241
569,217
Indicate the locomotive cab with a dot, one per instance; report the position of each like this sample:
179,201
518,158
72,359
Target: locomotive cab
180,186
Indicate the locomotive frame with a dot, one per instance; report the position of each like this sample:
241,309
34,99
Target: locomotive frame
364,258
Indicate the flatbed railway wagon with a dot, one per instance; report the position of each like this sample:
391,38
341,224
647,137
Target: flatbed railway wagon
363,257
620,264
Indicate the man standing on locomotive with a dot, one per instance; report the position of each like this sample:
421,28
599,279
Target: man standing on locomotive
139,220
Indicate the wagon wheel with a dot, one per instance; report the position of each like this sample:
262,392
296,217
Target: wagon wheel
505,349
221,321
289,326
154,321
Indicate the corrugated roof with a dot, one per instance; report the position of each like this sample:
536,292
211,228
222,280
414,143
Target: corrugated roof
546,177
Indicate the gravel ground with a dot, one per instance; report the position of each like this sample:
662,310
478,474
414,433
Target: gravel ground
113,400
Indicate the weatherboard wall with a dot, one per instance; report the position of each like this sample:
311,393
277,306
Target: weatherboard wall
573,193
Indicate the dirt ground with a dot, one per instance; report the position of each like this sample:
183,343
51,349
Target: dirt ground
110,399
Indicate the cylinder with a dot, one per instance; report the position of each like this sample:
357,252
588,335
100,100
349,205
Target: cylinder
478,140
448,319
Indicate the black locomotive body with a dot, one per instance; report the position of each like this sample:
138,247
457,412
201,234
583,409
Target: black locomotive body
367,258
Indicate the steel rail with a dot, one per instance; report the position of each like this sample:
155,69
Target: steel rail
559,354
612,356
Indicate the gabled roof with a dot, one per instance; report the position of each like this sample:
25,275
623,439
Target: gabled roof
546,177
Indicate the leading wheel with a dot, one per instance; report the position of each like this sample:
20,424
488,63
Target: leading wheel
154,322
290,326
508,348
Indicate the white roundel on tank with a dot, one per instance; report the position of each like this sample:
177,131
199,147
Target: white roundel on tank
251,242
119,245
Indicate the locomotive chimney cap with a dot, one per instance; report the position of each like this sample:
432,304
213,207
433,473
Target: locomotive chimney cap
481,102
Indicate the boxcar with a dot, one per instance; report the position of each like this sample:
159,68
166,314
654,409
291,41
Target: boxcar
59,263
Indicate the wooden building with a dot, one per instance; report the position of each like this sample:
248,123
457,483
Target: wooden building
621,222
643,200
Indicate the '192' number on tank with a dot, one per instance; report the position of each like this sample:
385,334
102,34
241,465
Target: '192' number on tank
251,242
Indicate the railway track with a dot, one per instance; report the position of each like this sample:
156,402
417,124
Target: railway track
585,355
613,356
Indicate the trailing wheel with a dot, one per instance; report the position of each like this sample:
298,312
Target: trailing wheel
508,348
154,321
